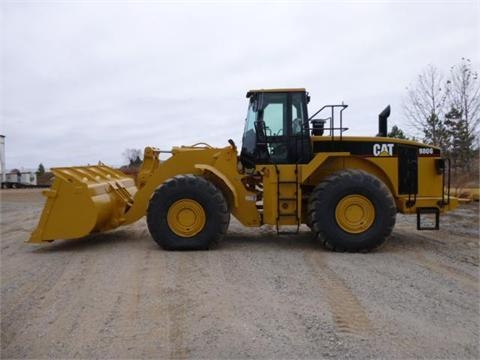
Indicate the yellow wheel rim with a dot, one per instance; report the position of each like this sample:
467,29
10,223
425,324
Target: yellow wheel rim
355,214
186,217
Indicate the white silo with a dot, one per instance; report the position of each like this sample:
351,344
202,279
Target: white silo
3,171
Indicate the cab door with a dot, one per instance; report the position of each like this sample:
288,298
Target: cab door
276,130
274,117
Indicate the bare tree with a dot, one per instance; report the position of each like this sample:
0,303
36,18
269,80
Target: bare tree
133,156
425,106
463,117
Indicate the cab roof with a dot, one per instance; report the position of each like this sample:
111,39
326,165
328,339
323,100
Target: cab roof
282,90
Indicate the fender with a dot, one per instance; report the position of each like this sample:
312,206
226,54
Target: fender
310,168
221,177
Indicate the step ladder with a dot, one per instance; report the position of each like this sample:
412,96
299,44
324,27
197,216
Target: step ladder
287,193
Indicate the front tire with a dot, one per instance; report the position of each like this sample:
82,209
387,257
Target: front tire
187,212
352,210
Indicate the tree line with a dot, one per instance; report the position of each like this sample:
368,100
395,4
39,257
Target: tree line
444,109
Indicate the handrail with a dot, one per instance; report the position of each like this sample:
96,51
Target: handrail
332,127
330,106
201,143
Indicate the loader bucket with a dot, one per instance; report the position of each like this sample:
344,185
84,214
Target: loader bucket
83,200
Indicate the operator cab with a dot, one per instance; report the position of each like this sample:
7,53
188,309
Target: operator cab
276,128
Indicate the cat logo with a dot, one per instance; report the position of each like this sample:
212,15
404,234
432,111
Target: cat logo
382,149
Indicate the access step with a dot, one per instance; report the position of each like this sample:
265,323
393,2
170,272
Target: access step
424,218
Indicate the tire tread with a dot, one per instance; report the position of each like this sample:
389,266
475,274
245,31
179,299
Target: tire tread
196,184
356,176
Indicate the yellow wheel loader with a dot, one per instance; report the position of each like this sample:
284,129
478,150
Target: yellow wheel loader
292,169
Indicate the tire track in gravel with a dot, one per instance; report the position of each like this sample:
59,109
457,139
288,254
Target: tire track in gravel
52,312
215,321
146,318
350,316
239,282
66,306
138,320
437,265
460,249
399,346
119,319
448,271
348,313
37,282
178,303
253,306
224,309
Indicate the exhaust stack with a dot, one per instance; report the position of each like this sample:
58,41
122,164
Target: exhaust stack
382,121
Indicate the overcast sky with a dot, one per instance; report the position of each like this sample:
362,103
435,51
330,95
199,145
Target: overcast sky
81,81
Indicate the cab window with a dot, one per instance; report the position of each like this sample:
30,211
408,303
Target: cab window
298,114
275,114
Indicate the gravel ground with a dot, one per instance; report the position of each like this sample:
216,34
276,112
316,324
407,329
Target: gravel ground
117,295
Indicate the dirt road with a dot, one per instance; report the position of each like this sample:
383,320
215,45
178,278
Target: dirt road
117,295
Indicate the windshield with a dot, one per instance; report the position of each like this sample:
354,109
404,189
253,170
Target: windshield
249,136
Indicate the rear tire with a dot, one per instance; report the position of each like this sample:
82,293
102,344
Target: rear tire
187,212
352,210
